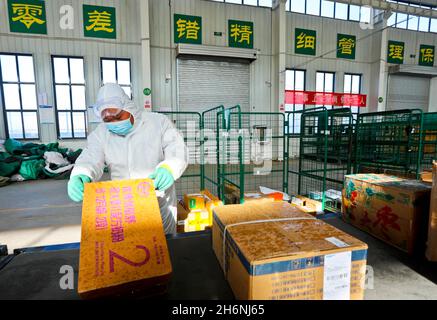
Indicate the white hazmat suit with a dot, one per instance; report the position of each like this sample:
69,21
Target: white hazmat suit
152,142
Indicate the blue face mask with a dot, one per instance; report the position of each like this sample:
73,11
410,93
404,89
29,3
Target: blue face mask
121,128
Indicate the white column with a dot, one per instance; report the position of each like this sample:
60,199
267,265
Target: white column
383,69
432,105
279,43
145,54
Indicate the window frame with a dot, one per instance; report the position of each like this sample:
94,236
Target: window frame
360,86
116,72
242,3
21,110
288,9
395,25
71,111
410,3
292,125
324,85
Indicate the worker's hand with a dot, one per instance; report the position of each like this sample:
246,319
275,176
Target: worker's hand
76,187
163,178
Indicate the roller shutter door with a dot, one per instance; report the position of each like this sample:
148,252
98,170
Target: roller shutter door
207,83
408,92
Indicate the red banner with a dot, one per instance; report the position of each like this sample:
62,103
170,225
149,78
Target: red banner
325,98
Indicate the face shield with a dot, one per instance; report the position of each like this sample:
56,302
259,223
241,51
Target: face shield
111,107
111,101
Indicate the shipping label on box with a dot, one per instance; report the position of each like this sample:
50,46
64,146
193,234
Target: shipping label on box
389,207
297,256
123,246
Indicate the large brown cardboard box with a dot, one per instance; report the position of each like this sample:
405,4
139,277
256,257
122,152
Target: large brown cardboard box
431,249
123,250
390,208
274,251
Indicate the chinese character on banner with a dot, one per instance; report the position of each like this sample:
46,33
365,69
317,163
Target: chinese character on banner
426,56
27,16
324,98
395,52
187,29
240,34
99,22
305,41
346,46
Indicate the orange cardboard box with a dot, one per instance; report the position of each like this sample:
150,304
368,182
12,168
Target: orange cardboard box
390,208
431,249
123,248
194,201
211,203
274,251
426,176
182,214
196,219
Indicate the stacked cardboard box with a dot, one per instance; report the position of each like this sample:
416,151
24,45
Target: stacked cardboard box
195,212
273,250
123,249
431,249
390,208
232,195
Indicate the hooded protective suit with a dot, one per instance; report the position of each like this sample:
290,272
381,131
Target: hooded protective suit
152,142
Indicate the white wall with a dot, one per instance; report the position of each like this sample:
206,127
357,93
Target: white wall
215,17
327,30
72,42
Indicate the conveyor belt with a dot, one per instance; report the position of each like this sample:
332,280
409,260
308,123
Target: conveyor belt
34,273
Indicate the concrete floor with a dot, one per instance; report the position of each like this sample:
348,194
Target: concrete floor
39,213
34,213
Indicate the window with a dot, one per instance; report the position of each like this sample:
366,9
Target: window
325,83
341,11
287,5
433,25
313,7
70,102
327,9
401,20
365,14
294,80
354,13
391,22
265,3
20,107
117,71
298,6
352,84
424,24
413,22
344,11
259,3
251,2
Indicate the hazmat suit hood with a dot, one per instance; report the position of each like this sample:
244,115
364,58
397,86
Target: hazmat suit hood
111,95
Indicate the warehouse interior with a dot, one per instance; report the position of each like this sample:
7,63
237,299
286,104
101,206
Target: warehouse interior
309,129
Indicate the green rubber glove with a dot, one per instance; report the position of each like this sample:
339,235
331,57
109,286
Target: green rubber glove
163,178
76,187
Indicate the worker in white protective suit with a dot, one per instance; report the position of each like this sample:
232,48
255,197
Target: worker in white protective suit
134,144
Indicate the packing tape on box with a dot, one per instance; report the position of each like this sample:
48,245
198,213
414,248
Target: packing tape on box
252,222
